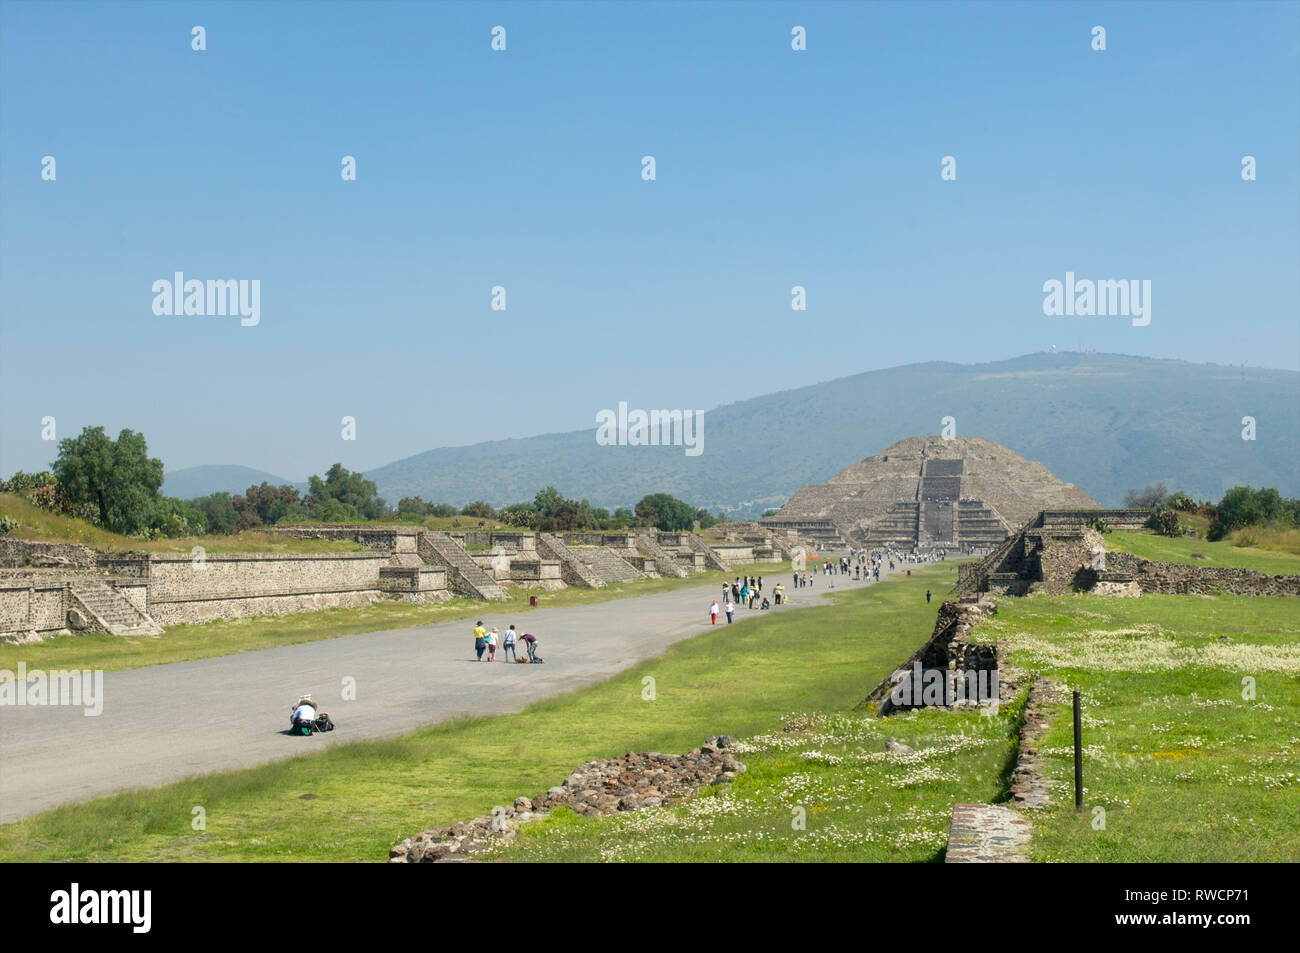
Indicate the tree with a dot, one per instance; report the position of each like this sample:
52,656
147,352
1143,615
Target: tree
218,512
344,496
666,512
411,507
479,509
1147,498
118,477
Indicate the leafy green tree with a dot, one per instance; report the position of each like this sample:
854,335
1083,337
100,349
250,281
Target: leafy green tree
442,509
218,513
479,509
344,496
118,478
666,512
411,507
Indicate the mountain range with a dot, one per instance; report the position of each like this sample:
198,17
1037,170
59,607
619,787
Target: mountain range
1107,423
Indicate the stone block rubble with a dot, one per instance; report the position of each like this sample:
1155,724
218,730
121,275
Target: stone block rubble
606,786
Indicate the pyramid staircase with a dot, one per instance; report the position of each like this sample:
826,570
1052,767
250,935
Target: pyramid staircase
572,569
609,565
665,563
466,577
111,610
712,558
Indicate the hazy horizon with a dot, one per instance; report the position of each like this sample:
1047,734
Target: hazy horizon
775,168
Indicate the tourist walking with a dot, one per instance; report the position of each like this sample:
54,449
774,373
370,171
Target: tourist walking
927,595
508,645
713,613
480,639
730,610
492,638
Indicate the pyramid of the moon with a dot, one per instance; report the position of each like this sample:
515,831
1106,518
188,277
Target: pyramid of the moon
929,492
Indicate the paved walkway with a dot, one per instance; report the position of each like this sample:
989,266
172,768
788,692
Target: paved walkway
168,722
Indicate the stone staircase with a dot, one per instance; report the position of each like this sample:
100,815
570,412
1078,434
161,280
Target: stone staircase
665,564
466,578
110,610
572,569
712,558
608,564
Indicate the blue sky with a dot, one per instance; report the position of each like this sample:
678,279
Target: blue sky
522,168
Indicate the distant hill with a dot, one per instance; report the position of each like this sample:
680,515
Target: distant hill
218,478
1106,423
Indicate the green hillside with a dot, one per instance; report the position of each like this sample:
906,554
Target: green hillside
1107,423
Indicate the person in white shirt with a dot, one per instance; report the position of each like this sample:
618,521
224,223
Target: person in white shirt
730,609
304,712
508,643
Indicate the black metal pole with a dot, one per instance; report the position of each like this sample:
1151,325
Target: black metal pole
1078,757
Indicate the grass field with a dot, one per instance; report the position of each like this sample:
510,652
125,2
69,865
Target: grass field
1188,549
183,643
1192,746
741,680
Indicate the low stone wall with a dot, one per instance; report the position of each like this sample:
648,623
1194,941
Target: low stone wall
226,586
942,651
19,553
32,609
415,584
1181,578
737,555
607,786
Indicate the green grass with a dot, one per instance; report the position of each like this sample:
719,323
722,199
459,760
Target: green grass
1184,767
822,788
740,680
1180,549
184,643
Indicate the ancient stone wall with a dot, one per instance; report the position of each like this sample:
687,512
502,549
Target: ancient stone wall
1181,578
236,585
18,553
32,608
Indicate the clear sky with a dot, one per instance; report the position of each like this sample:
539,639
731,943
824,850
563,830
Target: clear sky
522,168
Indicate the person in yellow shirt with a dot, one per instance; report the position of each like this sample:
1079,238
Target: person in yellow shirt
480,639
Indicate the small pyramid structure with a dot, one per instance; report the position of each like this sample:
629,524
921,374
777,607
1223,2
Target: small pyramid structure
929,493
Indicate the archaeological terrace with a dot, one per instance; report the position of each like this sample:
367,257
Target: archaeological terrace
51,588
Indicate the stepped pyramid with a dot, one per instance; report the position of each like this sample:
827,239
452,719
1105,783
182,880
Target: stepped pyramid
929,492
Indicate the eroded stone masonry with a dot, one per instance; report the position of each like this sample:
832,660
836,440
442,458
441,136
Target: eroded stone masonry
52,588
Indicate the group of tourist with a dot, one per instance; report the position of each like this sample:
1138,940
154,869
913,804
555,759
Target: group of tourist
745,591
486,642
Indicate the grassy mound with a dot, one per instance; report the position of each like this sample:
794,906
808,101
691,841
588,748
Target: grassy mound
38,524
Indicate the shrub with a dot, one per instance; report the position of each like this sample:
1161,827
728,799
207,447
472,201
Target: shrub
1099,524
1165,522
1243,539
8,524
